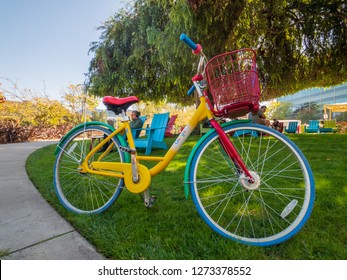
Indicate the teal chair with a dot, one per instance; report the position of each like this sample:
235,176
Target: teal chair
292,127
155,134
313,127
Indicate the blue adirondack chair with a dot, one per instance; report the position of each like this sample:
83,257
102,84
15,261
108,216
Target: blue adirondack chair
313,127
156,133
292,127
136,131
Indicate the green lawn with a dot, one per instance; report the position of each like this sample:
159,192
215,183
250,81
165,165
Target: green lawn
172,229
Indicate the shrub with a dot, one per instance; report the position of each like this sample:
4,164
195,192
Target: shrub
12,132
342,127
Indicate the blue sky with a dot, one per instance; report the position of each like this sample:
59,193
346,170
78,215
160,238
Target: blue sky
45,43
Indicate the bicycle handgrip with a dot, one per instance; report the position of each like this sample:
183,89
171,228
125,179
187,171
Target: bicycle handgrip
191,90
188,41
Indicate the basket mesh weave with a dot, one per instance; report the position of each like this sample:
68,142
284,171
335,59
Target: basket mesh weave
232,78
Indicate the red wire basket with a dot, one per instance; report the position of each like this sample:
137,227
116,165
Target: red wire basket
233,83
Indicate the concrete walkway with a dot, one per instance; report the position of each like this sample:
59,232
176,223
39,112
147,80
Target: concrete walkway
29,227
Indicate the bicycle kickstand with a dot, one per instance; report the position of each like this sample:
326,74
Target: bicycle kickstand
147,199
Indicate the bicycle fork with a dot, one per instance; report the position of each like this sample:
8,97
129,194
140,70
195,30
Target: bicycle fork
231,151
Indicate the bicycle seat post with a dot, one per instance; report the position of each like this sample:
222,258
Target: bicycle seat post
124,117
134,169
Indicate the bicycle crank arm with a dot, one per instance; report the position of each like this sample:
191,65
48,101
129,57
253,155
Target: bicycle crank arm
123,170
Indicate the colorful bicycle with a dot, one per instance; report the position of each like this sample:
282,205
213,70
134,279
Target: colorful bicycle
248,182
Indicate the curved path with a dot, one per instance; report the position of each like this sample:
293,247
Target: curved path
29,227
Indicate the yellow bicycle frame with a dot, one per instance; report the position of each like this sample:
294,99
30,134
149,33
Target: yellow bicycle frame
125,170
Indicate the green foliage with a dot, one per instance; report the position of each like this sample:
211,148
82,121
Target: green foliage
309,111
4,253
300,44
32,109
126,60
38,111
184,113
278,110
77,100
25,115
342,117
98,116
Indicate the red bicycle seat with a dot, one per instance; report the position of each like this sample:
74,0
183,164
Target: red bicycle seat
117,105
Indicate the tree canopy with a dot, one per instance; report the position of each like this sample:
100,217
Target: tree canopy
299,44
